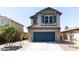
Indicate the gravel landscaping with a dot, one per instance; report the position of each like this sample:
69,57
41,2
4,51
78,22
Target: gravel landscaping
65,46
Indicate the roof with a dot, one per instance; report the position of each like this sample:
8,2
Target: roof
17,22
46,9
71,29
11,20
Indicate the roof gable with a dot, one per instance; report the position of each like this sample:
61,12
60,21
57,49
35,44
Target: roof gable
48,8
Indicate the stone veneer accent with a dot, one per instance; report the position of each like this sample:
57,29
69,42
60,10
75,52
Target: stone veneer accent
31,30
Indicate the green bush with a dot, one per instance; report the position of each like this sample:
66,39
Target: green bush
2,40
65,36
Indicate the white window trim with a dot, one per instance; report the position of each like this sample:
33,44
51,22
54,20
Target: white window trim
2,22
48,18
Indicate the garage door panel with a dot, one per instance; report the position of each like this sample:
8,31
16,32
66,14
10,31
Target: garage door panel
43,36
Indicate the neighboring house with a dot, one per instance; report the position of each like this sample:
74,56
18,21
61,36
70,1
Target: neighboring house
24,36
72,33
45,26
19,27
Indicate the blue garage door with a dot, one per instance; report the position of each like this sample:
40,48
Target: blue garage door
43,36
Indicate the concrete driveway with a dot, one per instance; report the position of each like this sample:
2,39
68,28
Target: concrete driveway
41,47
52,46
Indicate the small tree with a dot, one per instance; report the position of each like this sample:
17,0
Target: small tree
2,35
8,32
66,28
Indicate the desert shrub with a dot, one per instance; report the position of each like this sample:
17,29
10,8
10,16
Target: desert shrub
65,37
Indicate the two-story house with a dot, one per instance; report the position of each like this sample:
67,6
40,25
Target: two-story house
45,26
19,27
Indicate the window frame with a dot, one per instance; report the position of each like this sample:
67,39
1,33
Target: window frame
52,19
2,22
34,22
49,19
46,19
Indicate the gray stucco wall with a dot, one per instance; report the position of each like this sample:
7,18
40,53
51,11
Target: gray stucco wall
39,19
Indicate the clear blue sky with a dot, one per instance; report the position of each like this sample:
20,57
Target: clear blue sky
69,17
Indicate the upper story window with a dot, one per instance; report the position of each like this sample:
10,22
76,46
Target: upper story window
1,22
51,19
48,19
34,21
